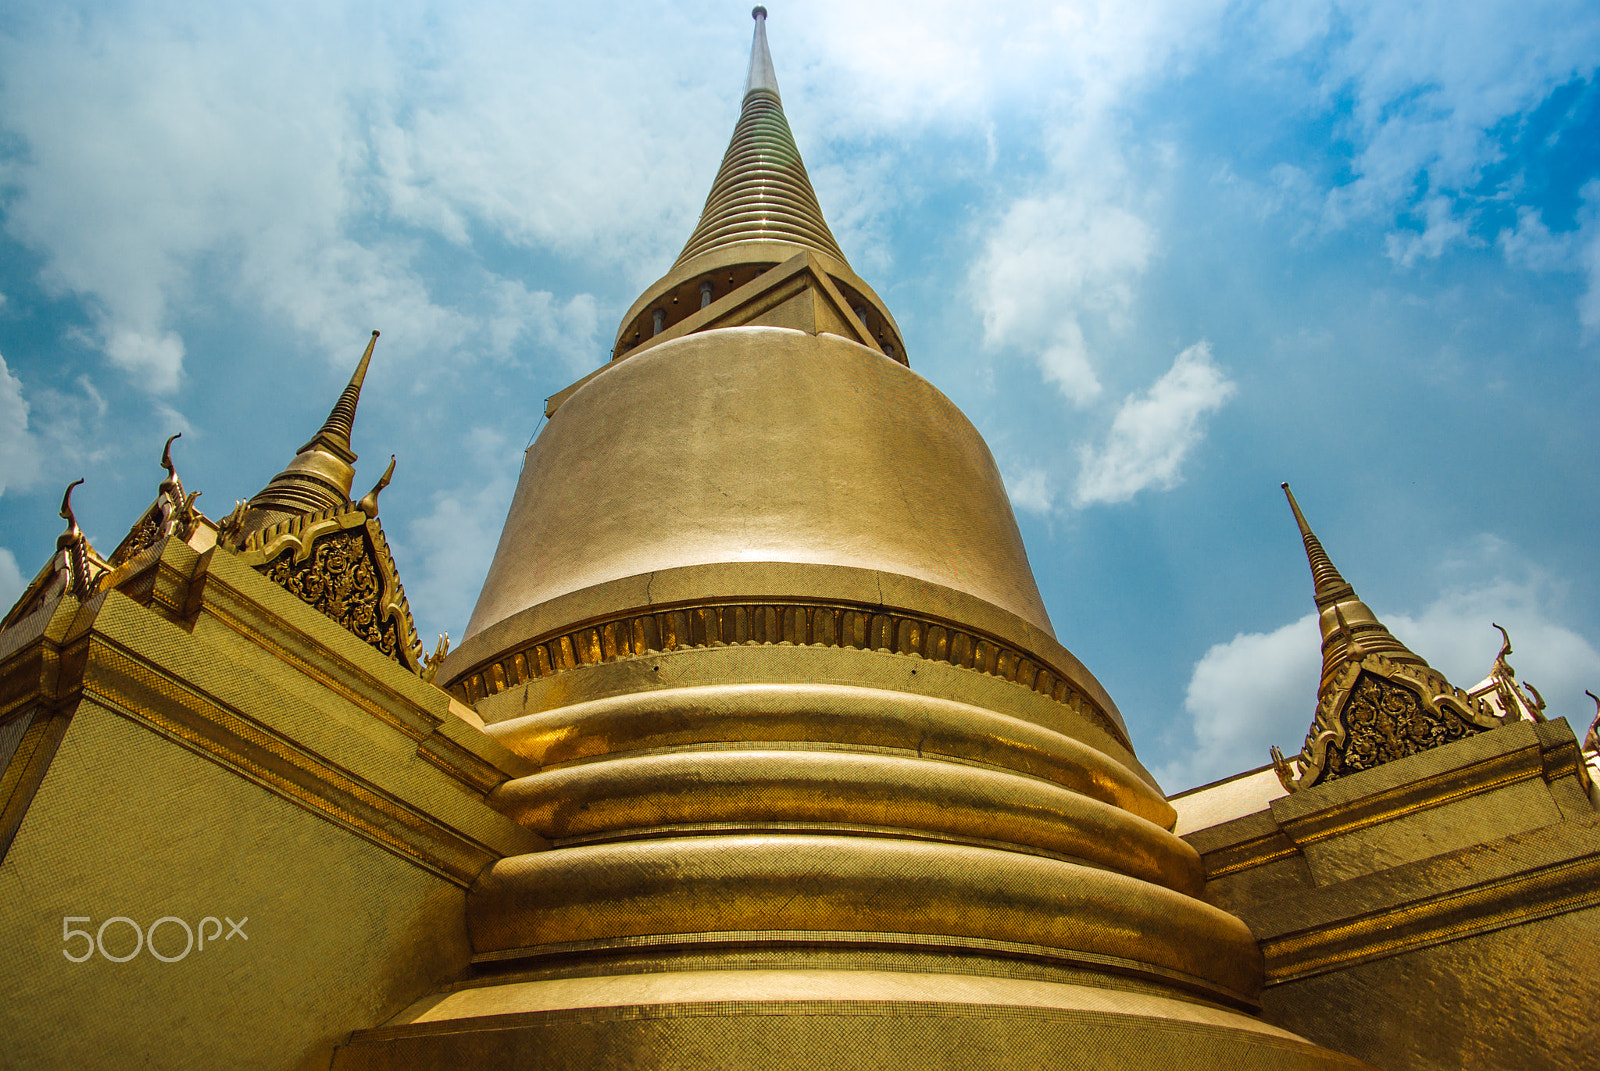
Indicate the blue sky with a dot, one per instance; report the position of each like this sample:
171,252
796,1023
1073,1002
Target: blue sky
1164,254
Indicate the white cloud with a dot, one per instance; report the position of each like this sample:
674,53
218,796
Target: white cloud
11,581
957,61
1051,260
1259,689
1455,635
1531,245
156,361
235,153
858,194
1152,434
1030,490
1256,690
1441,229
1588,241
19,449
569,330
1429,83
1066,363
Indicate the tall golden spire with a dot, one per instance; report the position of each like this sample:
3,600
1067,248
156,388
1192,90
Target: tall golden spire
321,474
1350,630
1378,701
336,430
762,192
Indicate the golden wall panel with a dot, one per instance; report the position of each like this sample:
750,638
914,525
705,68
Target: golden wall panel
1518,999
129,824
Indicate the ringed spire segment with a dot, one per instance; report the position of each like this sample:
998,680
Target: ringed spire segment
323,470
1330,586
340,425
762,192
1350,630
761,219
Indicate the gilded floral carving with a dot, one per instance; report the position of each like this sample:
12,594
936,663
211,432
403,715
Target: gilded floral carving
139,539
340,578
1384,721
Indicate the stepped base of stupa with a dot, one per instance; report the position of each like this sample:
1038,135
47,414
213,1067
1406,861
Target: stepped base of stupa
809,1010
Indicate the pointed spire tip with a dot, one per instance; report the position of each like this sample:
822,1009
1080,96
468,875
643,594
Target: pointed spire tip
1328,583
340,424
762,75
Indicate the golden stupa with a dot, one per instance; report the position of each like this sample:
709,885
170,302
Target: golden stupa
759,752
818,782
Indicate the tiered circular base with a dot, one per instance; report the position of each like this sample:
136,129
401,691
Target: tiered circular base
818,1010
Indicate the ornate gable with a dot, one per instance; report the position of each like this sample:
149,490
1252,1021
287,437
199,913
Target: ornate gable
338,561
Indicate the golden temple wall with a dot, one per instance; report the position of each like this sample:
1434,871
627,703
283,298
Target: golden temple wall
231,755
129,824
1440,911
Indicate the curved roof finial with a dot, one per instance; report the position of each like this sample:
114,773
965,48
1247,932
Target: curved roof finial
369,501
762,75
72,549
73,531
166,456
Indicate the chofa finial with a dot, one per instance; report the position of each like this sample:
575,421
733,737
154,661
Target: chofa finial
431,663
177,506
73,548
369,501
166,456
1505,648
67,515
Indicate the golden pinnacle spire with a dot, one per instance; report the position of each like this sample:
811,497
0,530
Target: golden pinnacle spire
1330,586
336,430
321,474
1350,630
762,76
762,192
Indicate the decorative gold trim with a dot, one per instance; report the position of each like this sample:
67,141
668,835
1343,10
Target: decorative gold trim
1238,858
29,762
799,622
250,622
